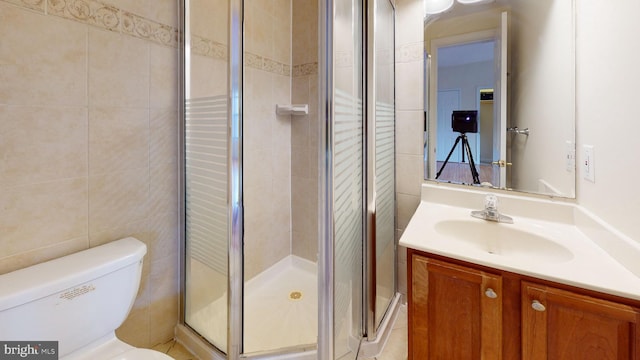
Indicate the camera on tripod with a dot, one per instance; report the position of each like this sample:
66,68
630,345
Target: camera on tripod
464,121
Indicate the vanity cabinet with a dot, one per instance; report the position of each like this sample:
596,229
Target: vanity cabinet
463,311
559,324
456,312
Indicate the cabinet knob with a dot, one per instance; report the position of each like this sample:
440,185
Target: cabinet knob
490,293
537,306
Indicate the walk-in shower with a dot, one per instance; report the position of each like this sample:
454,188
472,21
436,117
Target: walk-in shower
288,217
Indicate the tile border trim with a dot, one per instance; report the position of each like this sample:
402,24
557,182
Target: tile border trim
111,18
410,52
103,16
305,69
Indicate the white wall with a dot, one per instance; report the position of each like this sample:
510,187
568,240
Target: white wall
541,93
608,76
467,78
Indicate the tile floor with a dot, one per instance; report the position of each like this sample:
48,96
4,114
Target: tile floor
175,350
395,349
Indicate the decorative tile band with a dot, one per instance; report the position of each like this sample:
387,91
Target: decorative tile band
95,13
216,50
38,5
110,18
252,60
410,52
208,48
305,69
266,64
343,59
276,67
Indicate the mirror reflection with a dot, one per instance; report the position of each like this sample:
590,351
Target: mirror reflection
500,94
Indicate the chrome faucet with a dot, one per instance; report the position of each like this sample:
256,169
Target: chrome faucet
491,212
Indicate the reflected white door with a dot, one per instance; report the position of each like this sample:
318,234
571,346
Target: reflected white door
448,101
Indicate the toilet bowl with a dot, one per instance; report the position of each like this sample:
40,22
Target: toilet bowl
78,301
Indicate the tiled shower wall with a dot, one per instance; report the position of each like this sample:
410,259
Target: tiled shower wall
267,136
280,152
88,145
304,131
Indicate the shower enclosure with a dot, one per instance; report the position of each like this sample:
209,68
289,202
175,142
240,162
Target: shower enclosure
288,174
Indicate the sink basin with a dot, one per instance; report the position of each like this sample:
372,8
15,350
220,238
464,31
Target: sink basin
503,240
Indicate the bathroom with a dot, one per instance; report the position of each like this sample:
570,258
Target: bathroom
89,125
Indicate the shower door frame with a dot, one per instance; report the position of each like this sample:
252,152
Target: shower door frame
325,184
327,229
235,256
371,322
235,333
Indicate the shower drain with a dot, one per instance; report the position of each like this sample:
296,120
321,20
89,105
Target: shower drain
295,295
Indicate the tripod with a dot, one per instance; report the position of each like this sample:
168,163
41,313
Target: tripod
465,147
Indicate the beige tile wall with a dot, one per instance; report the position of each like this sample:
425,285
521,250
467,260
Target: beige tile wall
305,130
267,136
409,119
88,140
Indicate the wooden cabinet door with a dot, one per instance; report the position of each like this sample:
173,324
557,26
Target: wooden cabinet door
563,325
455,313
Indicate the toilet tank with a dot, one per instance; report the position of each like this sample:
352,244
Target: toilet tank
75,299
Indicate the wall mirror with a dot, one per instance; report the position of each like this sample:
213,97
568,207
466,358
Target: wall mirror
500,94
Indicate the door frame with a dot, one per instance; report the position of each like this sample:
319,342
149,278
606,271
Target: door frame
476,36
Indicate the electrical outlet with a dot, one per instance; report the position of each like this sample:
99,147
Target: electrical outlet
571,156
588,164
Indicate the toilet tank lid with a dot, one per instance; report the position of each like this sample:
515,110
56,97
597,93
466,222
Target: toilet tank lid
41,280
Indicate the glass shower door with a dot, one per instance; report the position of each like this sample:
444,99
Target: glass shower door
228,253
205,168
279,178
348,193
383,101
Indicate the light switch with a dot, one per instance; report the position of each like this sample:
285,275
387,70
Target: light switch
571,156
588,165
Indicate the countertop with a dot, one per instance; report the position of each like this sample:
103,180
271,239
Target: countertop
587,266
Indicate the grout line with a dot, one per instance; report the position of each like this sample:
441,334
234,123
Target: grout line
173,344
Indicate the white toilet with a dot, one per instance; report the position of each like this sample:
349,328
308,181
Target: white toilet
78,300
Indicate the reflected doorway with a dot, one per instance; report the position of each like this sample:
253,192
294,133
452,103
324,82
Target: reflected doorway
465,78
